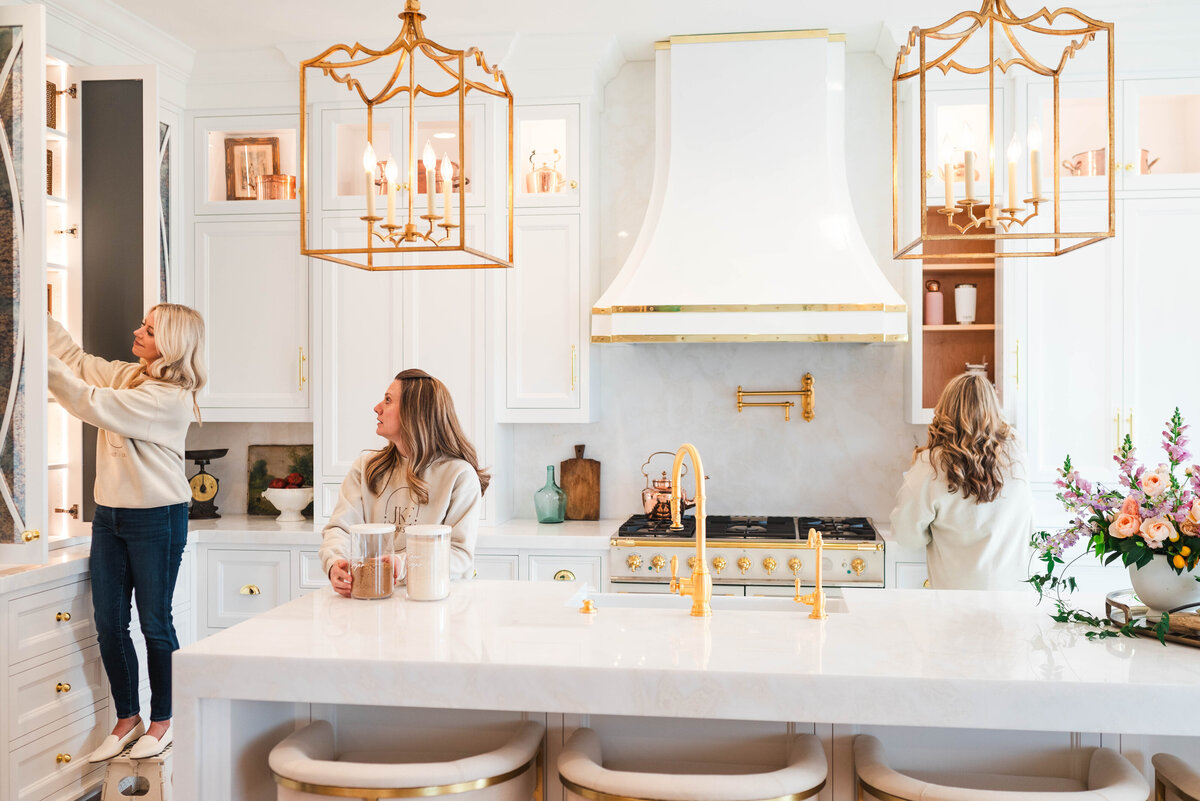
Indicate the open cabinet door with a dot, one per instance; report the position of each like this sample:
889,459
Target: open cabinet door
113,206
23,448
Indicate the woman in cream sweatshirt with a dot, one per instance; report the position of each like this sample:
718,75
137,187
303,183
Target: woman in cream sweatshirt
426,473
143,410
966,498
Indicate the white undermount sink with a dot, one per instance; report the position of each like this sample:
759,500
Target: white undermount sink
834,602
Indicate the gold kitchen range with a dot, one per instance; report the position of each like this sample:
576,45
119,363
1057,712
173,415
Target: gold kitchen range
747,554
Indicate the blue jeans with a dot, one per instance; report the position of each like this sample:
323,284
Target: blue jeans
136,554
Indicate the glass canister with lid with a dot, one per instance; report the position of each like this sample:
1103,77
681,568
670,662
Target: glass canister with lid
428,549
372,558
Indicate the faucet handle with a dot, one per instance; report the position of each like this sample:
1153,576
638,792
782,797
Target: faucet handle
798,599
674,574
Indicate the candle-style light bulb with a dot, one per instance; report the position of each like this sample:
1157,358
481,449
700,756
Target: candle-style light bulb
369,167
946,155
447,180
429,160
1035,160
390,171
968,162
1014,155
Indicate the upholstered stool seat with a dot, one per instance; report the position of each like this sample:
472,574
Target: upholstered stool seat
308,767
1174,779
581,769
1110,777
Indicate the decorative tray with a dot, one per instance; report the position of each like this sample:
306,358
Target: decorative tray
1123,606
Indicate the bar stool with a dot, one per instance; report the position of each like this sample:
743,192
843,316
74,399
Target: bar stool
1110,778
307,767
581,769
1172,774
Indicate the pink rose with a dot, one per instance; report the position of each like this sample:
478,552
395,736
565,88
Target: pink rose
1125,525
1130,507
1155,484
1157,530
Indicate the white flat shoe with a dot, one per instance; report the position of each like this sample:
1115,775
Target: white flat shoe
149,746
114,745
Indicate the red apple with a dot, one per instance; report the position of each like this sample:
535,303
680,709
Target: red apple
277,483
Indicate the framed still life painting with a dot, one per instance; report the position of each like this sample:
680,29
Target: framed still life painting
245,160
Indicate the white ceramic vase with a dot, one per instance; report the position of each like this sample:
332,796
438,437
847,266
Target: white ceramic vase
1161,588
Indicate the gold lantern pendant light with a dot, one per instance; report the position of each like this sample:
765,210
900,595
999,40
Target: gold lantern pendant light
1004,212
430,234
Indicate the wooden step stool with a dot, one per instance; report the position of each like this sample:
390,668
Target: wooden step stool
144,779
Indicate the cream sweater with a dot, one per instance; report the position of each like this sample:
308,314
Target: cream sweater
454,500
968,545
139,448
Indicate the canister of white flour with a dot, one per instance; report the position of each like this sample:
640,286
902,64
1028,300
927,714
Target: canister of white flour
428,549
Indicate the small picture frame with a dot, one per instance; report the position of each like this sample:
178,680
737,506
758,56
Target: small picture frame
245,160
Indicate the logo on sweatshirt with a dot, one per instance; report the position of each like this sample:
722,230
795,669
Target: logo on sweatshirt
399,509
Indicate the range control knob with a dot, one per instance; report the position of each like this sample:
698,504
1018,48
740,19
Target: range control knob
657,562
719,564
634,561
769,565
743,564
858,566
794,565
692,563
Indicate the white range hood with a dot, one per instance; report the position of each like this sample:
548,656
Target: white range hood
750,235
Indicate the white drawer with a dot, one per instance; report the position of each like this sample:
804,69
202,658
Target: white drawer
36,771
502,566
911,575
565,568
243,584
55,690
51,619
312,577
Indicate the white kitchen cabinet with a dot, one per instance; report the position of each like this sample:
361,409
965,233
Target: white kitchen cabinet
548,155
911,575
252,287
497,566
561,567
230,152
242,583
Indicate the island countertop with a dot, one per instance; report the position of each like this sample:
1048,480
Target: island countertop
897,657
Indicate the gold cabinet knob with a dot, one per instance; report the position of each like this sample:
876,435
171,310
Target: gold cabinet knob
62,687
634,561
743,564
769,564
1128,168
858,566
588,608
794,565
564,575
925,585
692,563
657,562
63,617
719,564
250,589
31,535
62,758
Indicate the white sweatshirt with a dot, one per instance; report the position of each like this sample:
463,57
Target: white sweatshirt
968,545
139,448
454,500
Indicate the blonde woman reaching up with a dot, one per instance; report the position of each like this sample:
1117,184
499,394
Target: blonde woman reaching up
966,497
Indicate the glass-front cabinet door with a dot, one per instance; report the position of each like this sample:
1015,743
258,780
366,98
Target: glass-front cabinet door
1161,143
1082,161
546,158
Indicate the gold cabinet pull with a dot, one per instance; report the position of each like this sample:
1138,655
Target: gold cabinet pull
62,687
62,758
250,589
1117,420
301,370
925,584
31,535
573,371
564,575
63,617
1017,356
1129,422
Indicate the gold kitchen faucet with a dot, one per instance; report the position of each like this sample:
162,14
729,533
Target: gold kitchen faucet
816,598
699,584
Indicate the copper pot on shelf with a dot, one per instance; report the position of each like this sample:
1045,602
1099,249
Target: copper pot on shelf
1094,162
276,187
656,497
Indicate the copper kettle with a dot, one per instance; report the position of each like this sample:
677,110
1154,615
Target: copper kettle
656,497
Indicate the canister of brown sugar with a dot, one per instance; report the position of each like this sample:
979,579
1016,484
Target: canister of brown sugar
372,557
428,549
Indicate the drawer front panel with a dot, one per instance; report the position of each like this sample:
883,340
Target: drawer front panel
565,568
243,584
37,770
55,690
496,566
51,619
312,577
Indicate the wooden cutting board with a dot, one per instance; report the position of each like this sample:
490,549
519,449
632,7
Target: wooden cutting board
581,482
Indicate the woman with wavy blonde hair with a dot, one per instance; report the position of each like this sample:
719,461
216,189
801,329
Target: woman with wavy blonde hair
966,498
143,410
426,473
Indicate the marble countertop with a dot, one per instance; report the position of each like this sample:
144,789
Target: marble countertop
897,657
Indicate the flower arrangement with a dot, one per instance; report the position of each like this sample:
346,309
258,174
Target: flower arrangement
1151,512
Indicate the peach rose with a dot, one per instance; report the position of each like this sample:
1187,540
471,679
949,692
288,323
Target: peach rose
1155,484
1193,516
1157,530
1130,507
1124,526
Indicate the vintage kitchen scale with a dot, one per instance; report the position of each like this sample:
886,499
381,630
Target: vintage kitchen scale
204,485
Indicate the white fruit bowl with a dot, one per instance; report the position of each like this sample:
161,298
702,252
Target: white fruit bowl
290,502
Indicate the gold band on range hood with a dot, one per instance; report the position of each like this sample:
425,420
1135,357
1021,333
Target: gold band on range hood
739,308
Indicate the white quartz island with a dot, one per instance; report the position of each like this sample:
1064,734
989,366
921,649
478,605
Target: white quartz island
915,658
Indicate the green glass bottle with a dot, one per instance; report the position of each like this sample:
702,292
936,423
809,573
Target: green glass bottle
550,501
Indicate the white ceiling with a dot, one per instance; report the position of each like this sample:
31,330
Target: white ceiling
215,25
